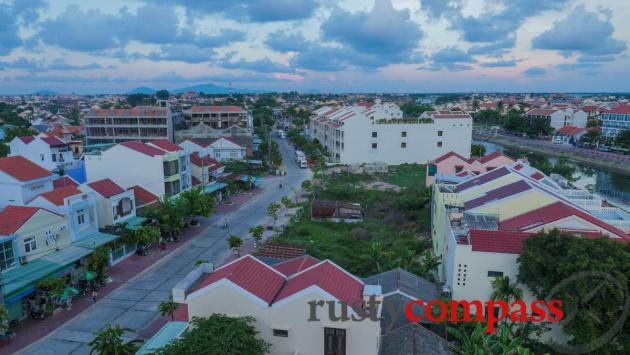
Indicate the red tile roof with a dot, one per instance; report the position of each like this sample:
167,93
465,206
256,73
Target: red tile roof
64,181
138,111
250,274
498,194
200,109
570,130
106,188
329,278
280,251
57,196
551,213
27,139
448,155
621,109
143,196
53,141
181,314
206,161
493,156
13,217
166,145
498,241
143,148
295,265
195,181
540,112
482,179
537,176
22,169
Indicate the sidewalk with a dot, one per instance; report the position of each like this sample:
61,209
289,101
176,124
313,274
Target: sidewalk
30,330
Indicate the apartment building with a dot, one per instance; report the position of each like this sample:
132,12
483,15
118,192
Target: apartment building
141,123
378,132
615,120
159,166
219,117
115,204
479,225
454,167
50,152
559,117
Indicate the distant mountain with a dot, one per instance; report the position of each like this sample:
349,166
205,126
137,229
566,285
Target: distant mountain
45,93
213,89
143,90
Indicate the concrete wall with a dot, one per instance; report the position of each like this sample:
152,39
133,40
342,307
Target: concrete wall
14,192
38,226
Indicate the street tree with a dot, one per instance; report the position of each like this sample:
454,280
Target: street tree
257,233
197,204
235,243
168,308
109,341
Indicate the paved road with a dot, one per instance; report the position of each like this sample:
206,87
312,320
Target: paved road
134,305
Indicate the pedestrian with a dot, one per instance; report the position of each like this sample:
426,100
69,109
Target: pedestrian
94,294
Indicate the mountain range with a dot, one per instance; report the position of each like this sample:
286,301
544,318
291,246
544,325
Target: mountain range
205,88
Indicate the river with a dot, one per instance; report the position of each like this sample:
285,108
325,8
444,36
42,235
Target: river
611,186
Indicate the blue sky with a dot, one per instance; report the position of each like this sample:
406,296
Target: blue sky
94,46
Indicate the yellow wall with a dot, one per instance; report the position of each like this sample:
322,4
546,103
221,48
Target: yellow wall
476,191
37,226
518,205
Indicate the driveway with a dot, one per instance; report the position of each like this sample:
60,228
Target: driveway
134,304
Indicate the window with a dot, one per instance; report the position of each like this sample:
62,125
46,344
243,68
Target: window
7,257
374,134
403,134
403,145
495,274
334,341
50,238
54,157
280,333
374,145
41,156
440,133
458,168
30,244
81,216
439,144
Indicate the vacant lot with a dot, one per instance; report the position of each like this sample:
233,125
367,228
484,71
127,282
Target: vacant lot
395,230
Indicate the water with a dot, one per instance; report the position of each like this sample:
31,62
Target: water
612,186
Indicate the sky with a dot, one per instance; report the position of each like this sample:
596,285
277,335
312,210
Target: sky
420,46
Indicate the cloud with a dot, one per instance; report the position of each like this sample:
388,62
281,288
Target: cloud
451,59
500,64
249,10
437,8
495,49
578,66
534,72
264,65
189,53
281,41
92,30
584,33
11,14
499,20
384,34
30,65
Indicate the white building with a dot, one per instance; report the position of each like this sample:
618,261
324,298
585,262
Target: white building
115,204
49,152
378,132
221,149
144,123
161,167
559,118
21,180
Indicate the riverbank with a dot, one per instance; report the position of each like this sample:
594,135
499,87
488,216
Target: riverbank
608,161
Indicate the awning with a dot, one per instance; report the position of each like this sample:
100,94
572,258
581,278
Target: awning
214,187
169,332
248,178
135,223
20,281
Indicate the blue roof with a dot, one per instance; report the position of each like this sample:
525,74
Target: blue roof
214,187
169,332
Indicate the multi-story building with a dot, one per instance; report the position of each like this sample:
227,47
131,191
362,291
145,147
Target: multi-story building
378,132
615,120
458,168
558,117
479,225
219,117
161,167
141,123
21,180
50,152
115,204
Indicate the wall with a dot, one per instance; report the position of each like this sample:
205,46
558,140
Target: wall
37,226
516,205
14,192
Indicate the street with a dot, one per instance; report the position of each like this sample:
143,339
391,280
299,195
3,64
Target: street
134,305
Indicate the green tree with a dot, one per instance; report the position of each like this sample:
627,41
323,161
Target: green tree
475,105
147,235
273,210
539,126
564,264
74,116
429,261
623,139
477,150
564,168
140,99
216,334
235,243
168,308
98,262
170,215
590,138
500,106
593,123
4,150
4,319
109,341
257,233
378,254
11,133
515,122
503,289
197,204
162,94
412,109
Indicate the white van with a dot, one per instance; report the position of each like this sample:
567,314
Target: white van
303,164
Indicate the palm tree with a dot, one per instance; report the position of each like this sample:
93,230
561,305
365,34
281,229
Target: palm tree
378,254
475,105
235,243
476,342
500,107
109,341
257,233
504,290
168,308
429,261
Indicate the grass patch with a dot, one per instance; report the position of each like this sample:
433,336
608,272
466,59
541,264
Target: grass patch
406,175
